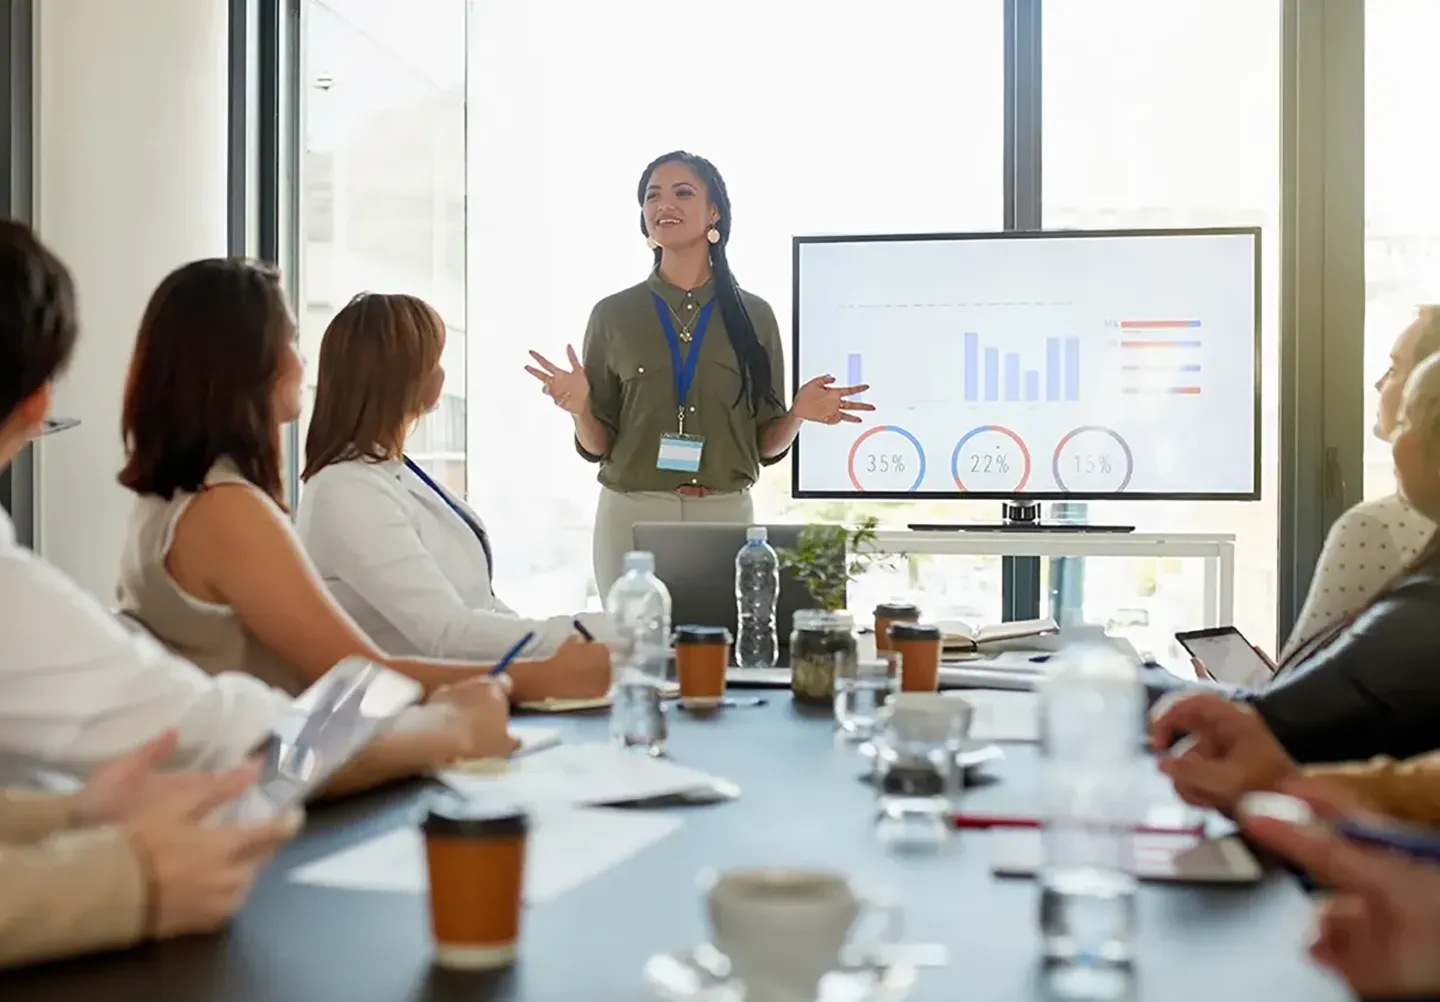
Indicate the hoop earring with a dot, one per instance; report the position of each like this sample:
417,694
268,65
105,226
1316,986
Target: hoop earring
650,242
713,235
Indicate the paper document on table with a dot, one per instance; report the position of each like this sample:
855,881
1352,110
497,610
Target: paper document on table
968,677
566,849
1003,716
1027,662
581,775
533,739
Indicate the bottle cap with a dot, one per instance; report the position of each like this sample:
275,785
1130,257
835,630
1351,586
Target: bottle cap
691,634
913,631
457,818
897,610
756,534
641,561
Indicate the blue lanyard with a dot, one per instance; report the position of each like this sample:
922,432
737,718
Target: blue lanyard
465,516
684,371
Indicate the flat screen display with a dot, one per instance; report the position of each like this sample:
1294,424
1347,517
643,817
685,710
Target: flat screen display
1064,365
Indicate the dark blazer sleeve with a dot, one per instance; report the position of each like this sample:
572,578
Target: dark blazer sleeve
1374,691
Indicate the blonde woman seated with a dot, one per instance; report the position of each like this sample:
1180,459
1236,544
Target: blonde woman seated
411,562
212,566
1373,541
1373,689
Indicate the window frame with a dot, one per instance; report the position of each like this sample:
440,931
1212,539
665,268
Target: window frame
1321,236
17,162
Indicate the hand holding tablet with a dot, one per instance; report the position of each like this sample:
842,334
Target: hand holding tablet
326,727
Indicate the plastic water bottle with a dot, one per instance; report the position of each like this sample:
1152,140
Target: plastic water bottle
639,606
757,587
1094,711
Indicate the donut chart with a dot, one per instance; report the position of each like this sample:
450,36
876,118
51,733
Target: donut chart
1093,459
990,458
887,464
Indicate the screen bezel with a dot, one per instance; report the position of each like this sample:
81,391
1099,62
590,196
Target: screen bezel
797,379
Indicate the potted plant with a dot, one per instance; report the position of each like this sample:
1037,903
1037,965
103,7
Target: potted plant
825,560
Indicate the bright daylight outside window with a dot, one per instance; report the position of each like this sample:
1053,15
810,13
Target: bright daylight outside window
883,123
1168,115
384,183
497,179
1402,193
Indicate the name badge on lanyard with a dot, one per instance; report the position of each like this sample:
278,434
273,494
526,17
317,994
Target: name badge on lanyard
681,452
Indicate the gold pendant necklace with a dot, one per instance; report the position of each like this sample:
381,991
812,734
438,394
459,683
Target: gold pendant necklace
684,333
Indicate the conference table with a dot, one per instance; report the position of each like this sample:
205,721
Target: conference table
802,801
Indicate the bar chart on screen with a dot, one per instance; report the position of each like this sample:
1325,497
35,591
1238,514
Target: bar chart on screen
1159,356
1057,367
993,373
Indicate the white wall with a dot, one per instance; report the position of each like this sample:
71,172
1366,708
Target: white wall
130,180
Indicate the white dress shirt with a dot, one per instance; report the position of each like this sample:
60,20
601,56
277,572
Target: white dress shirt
406,566
78,688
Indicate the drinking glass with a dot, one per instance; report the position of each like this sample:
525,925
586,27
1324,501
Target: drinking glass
918,778
861,689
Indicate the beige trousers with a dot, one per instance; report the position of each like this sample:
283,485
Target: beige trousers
618,512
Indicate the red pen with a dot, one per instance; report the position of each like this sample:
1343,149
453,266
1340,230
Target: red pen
984,821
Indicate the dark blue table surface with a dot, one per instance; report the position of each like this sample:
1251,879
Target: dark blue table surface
802,802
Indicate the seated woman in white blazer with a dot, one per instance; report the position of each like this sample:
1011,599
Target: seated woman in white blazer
408,560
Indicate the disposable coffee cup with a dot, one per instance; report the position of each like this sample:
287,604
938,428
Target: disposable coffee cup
886,615
918,645
476,859
702,654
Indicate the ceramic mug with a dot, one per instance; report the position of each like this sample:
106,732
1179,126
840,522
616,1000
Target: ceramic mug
929,718
784,928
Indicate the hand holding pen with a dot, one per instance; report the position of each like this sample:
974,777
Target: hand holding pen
1379,927
579,669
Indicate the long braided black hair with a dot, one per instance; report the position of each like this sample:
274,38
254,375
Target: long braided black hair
756,384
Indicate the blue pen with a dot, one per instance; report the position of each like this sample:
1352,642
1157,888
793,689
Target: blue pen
1415,842
512,654
586,634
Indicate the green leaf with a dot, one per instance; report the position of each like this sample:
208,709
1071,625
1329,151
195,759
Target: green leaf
827,557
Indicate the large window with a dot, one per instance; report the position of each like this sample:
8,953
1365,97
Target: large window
1402,191
1158,115
888,122
485,155
384,182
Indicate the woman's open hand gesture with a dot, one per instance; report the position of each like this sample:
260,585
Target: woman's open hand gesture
821,401
569,388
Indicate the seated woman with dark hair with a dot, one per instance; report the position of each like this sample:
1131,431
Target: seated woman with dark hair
408,559
1372,688
212,566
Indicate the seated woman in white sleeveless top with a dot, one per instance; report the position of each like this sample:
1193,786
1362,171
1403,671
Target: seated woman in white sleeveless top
212,566
1373,542
407,559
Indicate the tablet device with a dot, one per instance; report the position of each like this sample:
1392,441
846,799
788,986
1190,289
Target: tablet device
324,729
1227,655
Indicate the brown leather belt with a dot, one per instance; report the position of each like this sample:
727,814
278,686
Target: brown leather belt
695,491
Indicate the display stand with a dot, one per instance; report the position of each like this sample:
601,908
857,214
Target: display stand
1217,550
1017,516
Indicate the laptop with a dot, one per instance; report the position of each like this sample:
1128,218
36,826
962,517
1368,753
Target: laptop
696,560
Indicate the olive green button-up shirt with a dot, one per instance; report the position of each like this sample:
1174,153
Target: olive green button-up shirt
632,389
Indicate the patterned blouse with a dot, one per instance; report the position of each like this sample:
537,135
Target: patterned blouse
1366,548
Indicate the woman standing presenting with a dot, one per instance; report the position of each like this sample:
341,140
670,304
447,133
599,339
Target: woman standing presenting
679,394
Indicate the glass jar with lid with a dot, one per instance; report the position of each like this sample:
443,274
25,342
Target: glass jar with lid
822,642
